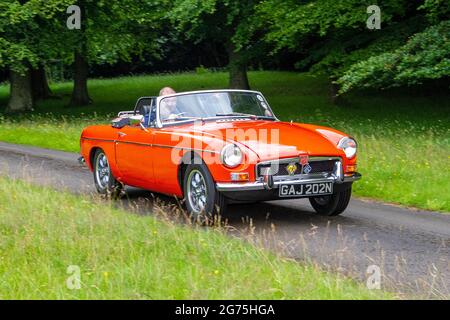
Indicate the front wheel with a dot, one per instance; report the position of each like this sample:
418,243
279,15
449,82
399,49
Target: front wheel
105,183
203,201
332,205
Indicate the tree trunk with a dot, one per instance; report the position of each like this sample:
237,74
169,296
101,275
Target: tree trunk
237,66
80,95
335,98
21,96
39,84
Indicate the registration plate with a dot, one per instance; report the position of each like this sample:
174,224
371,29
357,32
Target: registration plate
305,189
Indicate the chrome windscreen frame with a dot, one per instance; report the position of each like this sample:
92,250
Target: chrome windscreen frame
159,123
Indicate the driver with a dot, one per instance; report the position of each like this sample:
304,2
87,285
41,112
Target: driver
168,107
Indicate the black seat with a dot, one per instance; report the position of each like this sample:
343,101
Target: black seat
144,107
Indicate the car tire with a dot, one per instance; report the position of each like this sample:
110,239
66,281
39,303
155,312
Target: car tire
203,202
105,183
332,205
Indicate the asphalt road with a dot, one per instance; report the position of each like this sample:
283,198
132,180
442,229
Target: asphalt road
411,247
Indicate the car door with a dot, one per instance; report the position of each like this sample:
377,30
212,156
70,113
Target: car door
167,159
134,156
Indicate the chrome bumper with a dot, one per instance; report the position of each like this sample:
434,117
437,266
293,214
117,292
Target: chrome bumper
269,182
261,185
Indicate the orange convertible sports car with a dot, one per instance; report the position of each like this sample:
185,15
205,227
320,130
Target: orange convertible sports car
218,147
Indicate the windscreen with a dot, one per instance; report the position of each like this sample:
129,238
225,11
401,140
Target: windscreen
213,104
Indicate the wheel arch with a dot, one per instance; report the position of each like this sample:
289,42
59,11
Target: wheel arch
90,160
188,158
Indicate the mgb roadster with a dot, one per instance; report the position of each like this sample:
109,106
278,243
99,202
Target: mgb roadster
217,147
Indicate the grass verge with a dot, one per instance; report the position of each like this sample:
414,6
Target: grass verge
126,256
404,137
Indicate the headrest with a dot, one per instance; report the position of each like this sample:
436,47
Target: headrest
144,110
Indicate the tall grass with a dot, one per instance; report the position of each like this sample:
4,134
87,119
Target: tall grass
404,137
126,256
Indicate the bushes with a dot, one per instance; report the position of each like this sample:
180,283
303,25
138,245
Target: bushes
425,56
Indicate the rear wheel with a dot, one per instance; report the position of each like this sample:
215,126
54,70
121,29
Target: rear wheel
332,205
105,183
203,201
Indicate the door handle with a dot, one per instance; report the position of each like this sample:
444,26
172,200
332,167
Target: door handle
121,134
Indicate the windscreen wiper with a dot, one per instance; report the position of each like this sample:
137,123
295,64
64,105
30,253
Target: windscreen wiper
238,114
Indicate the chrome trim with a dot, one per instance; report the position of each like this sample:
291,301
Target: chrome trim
287,160
341,142
222,155
152,145
259,185
184,148
135,143
338,172
98,139
159,123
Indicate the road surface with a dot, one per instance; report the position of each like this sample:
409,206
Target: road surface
410,247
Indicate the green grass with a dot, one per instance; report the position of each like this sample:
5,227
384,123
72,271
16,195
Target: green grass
404,137
126,256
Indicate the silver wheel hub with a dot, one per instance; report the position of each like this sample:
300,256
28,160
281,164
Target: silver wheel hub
102,171
196,191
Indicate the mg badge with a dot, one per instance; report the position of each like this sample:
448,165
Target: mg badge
291,168
307,169
304,159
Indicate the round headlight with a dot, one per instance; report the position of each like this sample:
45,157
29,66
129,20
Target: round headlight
349,146
231,155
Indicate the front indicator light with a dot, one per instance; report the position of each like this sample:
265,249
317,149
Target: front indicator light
239,176
351,168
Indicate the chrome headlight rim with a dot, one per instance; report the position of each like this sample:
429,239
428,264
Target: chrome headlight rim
226,160
350,152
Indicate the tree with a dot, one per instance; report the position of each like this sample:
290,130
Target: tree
39,84
424,56
227,22
110,31
331,38
24,42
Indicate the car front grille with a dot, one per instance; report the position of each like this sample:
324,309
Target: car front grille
316,166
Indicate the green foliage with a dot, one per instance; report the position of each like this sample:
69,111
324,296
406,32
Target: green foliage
231,23
116,30
331,37
291,22
24,30
337,54
425,56
436,10
36,31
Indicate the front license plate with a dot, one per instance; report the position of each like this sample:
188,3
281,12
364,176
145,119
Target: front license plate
306,189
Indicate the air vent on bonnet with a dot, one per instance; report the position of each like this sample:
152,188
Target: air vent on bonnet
233,119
